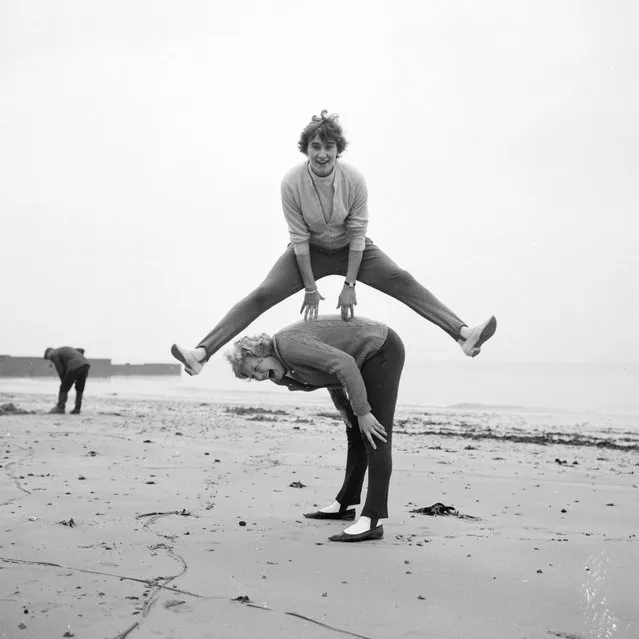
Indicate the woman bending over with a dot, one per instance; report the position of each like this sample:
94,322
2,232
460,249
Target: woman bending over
360,362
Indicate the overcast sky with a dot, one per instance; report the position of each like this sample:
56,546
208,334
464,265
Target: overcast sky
142,145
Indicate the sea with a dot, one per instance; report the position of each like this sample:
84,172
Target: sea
600,400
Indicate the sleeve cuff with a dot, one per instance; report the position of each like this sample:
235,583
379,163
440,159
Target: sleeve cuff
358,244
301,249
360,406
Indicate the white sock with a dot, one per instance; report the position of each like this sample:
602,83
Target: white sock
360,526
333,508
464,331
199,353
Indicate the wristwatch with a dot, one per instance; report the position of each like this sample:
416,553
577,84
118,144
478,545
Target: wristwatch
349,284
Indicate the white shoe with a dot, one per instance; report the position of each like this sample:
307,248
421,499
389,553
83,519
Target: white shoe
477,336
192,366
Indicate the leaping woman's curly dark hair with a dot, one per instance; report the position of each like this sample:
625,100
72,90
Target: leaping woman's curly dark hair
328,128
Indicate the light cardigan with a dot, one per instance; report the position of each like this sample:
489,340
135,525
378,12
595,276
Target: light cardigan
329,352
303,211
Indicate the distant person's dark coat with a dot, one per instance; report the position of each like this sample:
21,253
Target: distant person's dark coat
67,359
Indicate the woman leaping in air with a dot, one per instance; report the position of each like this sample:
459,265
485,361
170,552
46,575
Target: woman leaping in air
325,206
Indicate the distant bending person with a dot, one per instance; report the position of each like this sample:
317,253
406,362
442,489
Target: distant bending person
73,369
325,205
360,362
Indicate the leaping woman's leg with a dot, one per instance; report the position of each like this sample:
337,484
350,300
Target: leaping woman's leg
379,271
282,281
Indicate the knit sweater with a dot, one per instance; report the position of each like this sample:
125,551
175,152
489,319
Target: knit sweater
346,224
329,353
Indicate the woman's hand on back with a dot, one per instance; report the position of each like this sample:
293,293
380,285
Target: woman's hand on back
346,301
371,428
310,305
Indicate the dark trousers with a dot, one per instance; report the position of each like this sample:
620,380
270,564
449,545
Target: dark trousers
77,377
376,270
381,375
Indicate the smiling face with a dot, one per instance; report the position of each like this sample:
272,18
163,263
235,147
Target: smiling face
262,368
322,155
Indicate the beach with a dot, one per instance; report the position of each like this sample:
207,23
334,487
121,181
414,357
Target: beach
180,518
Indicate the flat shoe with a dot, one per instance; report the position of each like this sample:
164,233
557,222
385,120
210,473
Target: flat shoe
478,335
347,515
373,533
191,365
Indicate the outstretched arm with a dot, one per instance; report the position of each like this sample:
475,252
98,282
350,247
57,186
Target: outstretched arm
356,227
300,234
347,298
312,297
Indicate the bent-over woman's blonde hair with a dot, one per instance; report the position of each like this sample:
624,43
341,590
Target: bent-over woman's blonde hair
256,346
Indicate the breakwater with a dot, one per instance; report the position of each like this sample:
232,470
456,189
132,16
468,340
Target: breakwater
100,367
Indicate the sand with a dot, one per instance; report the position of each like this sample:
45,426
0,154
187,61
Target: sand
184,519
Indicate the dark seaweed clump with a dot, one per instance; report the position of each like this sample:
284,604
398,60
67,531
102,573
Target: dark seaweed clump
252,410
12,409
541,439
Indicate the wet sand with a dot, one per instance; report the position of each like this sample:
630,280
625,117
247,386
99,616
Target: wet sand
184,519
